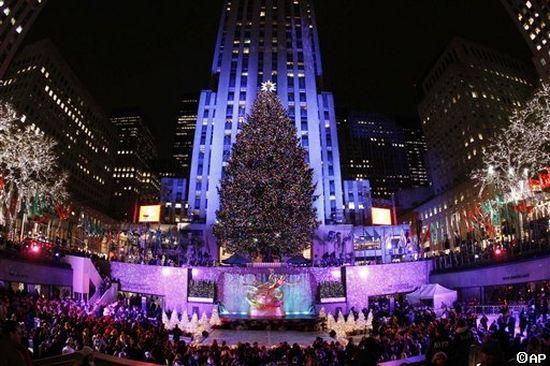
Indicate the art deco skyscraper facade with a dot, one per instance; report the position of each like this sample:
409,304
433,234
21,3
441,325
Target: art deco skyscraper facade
467,96
533,20
185,133
16,17
261,40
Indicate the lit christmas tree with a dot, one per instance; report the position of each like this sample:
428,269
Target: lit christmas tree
215,320
193,324
361,323
350,323
369,320
330,322
174,320
203,323
322,313
267,193
165,320
184,322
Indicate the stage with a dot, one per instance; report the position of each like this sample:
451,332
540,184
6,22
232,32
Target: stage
296,322
264,337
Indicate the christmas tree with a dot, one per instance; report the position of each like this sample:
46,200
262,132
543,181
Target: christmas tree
215,320
267,193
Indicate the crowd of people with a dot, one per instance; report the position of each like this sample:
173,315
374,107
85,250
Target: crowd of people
51,327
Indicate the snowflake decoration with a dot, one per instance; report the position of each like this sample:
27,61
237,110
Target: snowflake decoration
269,86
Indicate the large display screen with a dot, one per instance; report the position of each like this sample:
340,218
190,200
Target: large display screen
381,216
150,213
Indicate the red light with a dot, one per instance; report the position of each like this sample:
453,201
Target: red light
35,249
498,251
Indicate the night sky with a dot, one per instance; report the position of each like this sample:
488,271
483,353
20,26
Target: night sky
147,53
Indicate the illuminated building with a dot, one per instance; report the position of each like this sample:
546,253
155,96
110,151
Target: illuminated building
135,181
185,133
466,96
42,87
533,20
256,42
16,18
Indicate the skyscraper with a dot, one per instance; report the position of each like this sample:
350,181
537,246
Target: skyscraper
533,20
375,150
133,175
259,41
42,86
415,146
16,17
185,133
468,95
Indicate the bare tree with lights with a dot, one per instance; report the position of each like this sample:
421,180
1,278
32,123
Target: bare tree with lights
267,192
29,172
519,151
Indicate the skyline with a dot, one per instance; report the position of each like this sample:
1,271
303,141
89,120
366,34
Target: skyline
105,49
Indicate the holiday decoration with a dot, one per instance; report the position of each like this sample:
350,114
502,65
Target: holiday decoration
518,152
174,320
165,320
340,325
184,321
30,175
350,323
369,320
266,298
203,323
215,318
193,324
361,322
330,322
267,193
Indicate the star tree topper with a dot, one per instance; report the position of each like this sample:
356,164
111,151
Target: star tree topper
269,86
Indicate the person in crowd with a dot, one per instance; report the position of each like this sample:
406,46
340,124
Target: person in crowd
12,350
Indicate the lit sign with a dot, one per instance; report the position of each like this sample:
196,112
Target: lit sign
381,216
149,213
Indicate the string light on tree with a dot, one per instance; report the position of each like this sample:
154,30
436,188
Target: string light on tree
268,86
30,176
519,151
267,190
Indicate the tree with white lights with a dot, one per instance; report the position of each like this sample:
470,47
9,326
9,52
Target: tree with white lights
267,191
518,151
29,173
215,320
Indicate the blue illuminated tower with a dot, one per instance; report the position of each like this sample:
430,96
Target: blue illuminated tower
260,40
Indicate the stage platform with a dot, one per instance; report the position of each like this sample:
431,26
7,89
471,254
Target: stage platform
264,337
302,322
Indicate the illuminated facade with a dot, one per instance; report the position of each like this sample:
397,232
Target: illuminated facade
256,42
16,17
172,199
467,96
135,181
41,85
415,146
374,148
185,133
533,20
357,201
